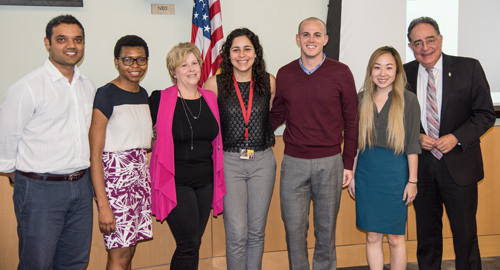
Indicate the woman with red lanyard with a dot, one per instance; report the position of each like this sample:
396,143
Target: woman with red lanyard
244,94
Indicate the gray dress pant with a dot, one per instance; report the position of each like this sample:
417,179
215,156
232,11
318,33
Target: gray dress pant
302,180
249,187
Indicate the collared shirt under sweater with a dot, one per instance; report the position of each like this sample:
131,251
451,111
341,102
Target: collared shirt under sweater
320,111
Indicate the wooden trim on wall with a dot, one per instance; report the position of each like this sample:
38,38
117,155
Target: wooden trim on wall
156,253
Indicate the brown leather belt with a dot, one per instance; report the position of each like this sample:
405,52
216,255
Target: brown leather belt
55,177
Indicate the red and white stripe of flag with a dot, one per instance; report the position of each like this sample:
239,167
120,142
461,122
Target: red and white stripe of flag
209,48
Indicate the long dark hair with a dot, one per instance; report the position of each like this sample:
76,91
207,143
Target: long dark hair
259,74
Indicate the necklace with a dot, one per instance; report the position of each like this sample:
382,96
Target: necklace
184,105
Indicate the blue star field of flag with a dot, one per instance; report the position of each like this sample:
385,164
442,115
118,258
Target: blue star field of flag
201,16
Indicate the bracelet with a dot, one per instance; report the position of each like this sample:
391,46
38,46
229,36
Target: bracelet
412,182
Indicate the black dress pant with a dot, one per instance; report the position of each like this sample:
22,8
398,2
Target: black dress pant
435,188
187,222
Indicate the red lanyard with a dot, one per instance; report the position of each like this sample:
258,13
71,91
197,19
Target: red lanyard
246,113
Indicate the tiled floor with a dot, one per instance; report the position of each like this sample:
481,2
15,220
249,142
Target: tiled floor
276,261
491,263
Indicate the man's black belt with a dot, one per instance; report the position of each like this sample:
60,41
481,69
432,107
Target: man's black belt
55,177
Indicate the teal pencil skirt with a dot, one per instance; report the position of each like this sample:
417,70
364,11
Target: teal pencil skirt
381,178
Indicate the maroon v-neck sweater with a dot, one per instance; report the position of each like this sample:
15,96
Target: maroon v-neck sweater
320,111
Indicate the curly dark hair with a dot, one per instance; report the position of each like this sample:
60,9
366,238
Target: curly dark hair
259,74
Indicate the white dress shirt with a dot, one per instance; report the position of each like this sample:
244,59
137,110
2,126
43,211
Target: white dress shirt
44,122
423,78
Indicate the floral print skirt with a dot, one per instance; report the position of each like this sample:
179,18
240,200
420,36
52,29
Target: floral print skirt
128,186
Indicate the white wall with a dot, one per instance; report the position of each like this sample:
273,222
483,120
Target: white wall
445,12
479,36
368,25
105,21
22,30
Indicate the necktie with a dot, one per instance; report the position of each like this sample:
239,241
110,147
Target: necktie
432,112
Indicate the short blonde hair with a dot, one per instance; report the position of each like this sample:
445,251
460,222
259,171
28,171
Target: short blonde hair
178,55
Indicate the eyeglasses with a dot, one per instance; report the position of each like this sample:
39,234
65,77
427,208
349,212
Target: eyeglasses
419,43
128,61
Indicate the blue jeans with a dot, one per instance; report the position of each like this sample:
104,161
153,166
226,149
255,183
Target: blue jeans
302,180
54,222
249,188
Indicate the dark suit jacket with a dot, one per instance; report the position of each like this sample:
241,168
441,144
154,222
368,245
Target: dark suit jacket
466,112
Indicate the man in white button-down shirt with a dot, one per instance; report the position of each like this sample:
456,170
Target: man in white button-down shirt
44,149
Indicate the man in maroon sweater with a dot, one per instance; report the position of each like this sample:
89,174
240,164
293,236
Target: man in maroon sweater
316,97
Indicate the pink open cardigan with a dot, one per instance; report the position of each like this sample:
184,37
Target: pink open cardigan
162,167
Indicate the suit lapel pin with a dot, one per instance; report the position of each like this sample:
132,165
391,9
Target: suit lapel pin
449,74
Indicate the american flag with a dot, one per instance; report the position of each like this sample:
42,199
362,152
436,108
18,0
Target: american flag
207,35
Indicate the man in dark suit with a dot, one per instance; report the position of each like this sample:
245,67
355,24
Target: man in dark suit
457,110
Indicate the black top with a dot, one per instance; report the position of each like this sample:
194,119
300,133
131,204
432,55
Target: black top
192,167
260,130
110,95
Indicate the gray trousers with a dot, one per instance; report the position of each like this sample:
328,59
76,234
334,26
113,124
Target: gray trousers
249,187
302,180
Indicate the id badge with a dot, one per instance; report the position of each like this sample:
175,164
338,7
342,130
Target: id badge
247,153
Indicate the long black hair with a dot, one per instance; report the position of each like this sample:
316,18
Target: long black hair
259,74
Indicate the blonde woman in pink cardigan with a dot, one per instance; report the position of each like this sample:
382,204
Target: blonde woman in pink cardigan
187,177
